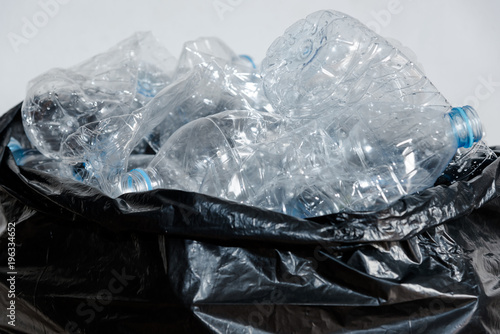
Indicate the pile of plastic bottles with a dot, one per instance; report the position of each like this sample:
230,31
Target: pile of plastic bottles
334,119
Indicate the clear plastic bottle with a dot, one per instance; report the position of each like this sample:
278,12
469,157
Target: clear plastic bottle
226,82
32,158
374,163
103,147
115,82
329,61
362,127
312,170
206,155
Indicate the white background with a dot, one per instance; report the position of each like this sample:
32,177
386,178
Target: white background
456,41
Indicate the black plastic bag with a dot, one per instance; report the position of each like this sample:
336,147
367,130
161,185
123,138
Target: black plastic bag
169,261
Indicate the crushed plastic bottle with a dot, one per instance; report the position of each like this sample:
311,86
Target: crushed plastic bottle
253,159
206,154
32,158
347,123
115,82
104,146
229,82
211,85
329,60
362,127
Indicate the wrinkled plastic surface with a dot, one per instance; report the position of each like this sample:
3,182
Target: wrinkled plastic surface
172,261
209,78
113,83
388,125
375,127
227,82
329,61
256,159
365,127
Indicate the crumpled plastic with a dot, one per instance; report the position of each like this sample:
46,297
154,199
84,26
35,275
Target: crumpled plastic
171,261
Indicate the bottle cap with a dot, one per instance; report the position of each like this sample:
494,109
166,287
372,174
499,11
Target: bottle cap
249,59
14,145
138,175
466,126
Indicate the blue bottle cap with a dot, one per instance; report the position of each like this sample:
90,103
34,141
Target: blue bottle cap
140,174
249,59
466,126
14,145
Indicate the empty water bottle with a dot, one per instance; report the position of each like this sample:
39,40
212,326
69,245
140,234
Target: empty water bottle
388,154
209,86
227,82
115,82
331,66
32,158
315,169
207,155
330,60
103,147
372,129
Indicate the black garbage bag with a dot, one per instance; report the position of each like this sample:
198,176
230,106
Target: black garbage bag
76,261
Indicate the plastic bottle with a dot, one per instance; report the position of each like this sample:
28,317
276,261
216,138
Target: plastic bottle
32,158
227,82
330,65
329,60
205,155
103,147
362,127
251,158
377,162
115,82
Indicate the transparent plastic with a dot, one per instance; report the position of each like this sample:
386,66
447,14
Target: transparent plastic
316,169
207,154
229,82
467,163
329,60
103,147
115,82
32,158
207,49
347,123
360,126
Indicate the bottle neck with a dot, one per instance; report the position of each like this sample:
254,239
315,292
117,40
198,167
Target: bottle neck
466,126
139,180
